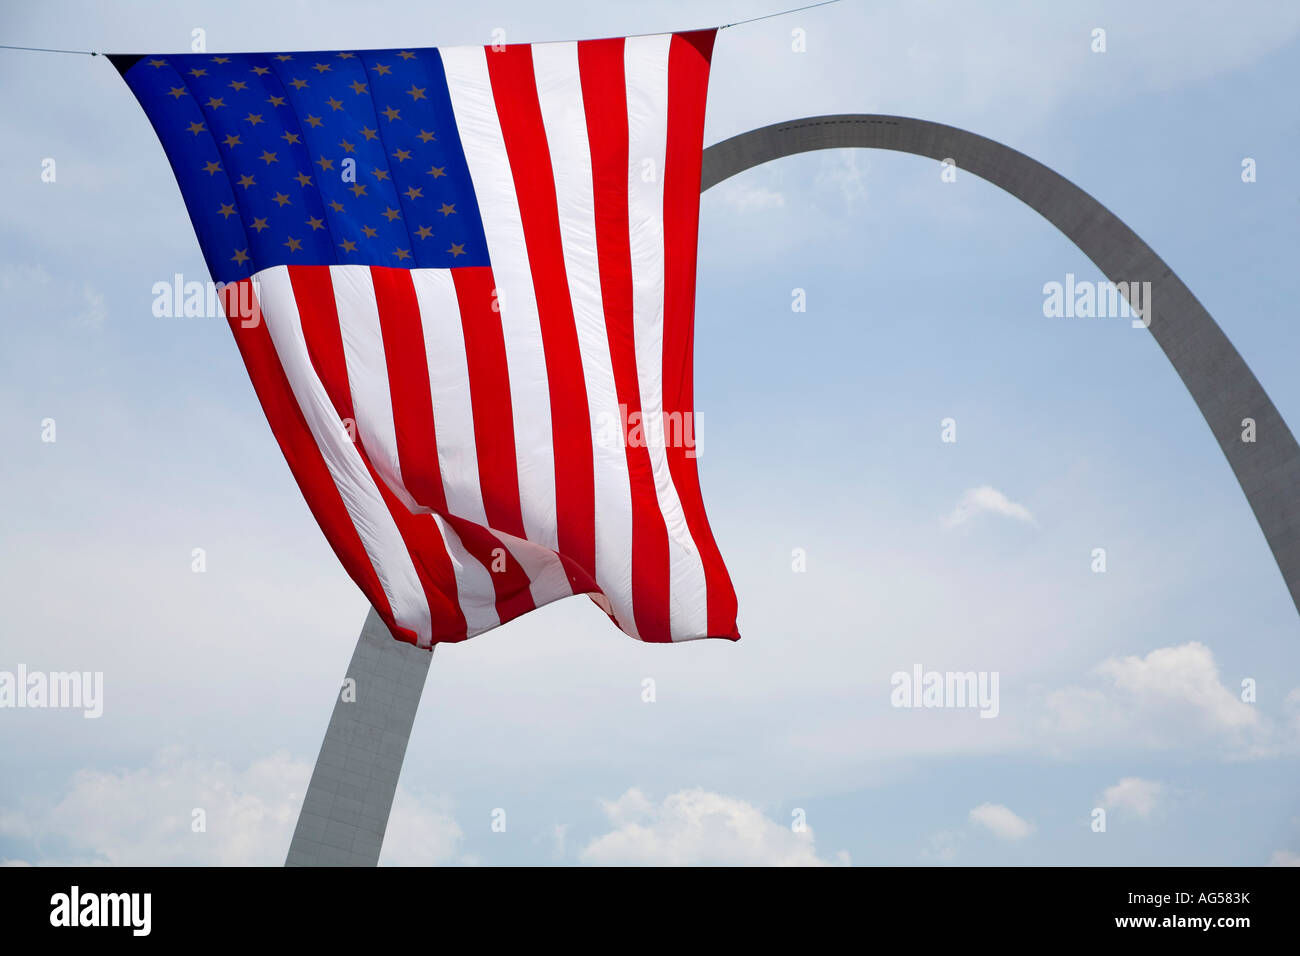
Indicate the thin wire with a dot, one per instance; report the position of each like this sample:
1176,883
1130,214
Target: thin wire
43,49
769,16
766,16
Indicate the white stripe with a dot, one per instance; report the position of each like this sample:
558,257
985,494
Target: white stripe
559,90
370,516
376,429
494,186
367,367
474,591
453,411
453,425
548,581
645,61
453,419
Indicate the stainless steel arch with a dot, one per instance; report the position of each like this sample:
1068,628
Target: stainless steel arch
345,810
1220,382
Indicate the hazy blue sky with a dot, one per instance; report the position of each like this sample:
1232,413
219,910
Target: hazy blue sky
821,431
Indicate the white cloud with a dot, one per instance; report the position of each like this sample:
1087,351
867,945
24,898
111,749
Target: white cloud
421,832
1284,858
143,817
1133,795
95,311
1291,713
942,847
559,840
18,275
1001,821
1185,675
1170,698
745,197
696,827
845,172
986,498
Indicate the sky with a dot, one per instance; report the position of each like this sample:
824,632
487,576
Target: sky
860,542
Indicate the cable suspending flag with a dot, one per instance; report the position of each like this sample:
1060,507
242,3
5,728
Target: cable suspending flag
463,283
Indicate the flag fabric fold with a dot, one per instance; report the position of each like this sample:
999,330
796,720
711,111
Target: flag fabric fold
462,281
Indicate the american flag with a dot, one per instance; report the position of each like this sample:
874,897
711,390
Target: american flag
463,282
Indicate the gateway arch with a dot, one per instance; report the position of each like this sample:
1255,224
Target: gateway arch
346,806
1222,385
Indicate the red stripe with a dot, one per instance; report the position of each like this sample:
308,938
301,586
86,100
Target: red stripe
489,394
413,418
688,83
509,580
604,94
300,450
514,89
408,384
494,429
313,290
